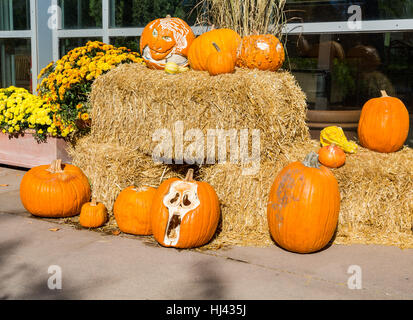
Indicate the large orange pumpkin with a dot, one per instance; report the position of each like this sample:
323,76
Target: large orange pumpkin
226,39
185,213
303,206
166,40
132,210
57,190
220,62
383,124
264,52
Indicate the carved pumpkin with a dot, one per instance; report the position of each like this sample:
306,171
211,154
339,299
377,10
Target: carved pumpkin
264,52
55,190
93,214
165,40
383,124
303,206
226,39
220,62
331,156
132,210
185,213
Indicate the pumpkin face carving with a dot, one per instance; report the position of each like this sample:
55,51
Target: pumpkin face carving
185,213
165,40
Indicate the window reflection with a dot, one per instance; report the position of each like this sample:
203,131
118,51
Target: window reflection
67,44
81,14
341,72
322,11
15,63
137,13
14,15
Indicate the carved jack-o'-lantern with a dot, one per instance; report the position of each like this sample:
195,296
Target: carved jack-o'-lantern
166,40
185,213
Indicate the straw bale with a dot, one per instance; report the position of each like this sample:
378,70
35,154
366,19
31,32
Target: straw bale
110,168
132,101
376,198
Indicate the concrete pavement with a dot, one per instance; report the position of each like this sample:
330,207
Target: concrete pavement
99,266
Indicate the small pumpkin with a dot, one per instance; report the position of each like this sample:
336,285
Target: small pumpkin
54,191
303,206
264,52
132,210
164,40
331,156
220,62
383,124
185,213
93,214
171,68
226,39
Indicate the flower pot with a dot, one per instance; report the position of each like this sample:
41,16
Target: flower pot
317,120
26,152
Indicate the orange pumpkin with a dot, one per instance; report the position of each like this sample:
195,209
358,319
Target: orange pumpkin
264,52
93,214
220,62
303,206
226,39
383,124
55,191
185,213
166,40
132,210
331,156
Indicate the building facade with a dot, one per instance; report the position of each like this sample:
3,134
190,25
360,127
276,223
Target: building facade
341,52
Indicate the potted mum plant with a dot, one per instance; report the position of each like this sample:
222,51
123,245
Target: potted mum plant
60,112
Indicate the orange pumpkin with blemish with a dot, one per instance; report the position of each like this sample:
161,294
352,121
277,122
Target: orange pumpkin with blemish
303,206
185,213
132,210
263,52
166,40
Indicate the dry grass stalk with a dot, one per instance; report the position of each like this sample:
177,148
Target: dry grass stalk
244,16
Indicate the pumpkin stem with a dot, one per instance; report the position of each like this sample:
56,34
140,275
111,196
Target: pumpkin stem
93,203
311,160
190,175
383,93
55,166
216,47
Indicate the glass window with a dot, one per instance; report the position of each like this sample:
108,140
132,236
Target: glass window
343,71
14,15
15,63
128,42
326,10
81,14
137,13
67,44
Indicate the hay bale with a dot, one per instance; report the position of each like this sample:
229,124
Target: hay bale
376,198
136,101
110,168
